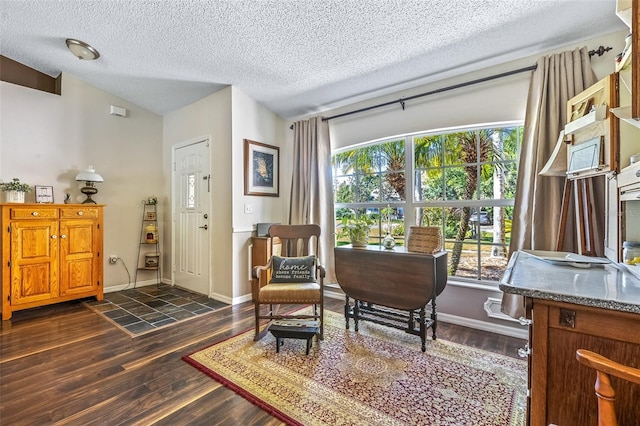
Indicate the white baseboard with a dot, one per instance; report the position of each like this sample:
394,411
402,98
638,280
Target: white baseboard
224,299
463,321
129,286
483,325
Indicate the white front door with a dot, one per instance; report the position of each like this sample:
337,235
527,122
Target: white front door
191,216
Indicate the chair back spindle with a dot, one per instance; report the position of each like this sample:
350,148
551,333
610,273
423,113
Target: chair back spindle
605,368
301,240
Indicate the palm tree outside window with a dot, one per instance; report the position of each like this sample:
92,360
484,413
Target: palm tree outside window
461,180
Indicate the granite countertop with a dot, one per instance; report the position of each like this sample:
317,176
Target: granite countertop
608,286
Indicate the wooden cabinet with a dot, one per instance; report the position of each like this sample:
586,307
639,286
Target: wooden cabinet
262,248
562,390
570,308
50,253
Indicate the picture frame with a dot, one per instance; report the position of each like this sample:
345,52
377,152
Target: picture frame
44,194
585,156
261,169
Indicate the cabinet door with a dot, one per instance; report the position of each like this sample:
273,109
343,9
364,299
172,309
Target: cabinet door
79,256
34,261
562,390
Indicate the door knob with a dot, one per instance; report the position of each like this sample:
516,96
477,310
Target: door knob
204,227
206,216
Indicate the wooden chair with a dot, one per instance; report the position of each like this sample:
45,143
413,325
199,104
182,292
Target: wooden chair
604,391
298,249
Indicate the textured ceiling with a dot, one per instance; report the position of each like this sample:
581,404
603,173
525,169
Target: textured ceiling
294,57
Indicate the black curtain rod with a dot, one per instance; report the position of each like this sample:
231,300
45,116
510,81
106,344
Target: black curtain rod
401,101
600,51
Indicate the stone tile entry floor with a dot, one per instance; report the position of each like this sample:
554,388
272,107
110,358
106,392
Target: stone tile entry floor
144,309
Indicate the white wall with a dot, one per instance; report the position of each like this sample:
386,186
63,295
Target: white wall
47,139
210,117
252,121
228,116
503,99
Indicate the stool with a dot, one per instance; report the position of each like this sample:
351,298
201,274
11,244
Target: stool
294,330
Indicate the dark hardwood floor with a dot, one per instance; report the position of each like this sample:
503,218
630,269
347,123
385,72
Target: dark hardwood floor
64,364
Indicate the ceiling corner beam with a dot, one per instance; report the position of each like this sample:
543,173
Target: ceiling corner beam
22,75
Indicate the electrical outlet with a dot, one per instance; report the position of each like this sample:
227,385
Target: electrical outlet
113,259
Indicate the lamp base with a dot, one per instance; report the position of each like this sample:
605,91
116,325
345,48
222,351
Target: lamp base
89,191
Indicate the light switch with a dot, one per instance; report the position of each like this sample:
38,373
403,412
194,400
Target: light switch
248,209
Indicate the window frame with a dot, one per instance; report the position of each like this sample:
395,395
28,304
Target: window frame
410,204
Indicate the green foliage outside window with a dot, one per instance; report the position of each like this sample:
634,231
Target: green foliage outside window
463,182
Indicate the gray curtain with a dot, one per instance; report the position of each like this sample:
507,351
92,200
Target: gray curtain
311,186
538,200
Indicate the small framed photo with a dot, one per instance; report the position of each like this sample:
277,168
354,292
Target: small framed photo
261,169
44,194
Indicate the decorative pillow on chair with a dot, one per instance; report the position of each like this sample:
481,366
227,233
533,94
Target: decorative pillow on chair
293,269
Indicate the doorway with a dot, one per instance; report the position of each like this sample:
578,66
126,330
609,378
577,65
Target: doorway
191,188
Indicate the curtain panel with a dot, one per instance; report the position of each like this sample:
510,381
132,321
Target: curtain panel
311,185
538,199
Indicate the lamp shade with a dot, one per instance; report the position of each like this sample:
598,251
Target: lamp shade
82,50
89,175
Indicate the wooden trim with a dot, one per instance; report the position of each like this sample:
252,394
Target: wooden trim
22,75
635,64
539,348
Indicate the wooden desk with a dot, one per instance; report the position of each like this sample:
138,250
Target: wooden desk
391,287
570,308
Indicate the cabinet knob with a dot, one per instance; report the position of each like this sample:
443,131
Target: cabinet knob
54,236
79,213
63,236
34,214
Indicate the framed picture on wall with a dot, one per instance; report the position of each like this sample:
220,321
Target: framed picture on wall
44,194
261,169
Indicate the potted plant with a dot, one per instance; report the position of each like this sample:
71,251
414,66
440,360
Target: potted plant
15,190
357,230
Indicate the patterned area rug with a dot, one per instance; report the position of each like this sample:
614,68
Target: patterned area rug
377,376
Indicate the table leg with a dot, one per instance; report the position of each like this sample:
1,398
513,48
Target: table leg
423,329
346,311
434,317
356,313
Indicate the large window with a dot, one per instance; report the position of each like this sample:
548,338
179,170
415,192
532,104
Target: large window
462,181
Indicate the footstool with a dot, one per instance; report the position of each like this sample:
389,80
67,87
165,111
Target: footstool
294,330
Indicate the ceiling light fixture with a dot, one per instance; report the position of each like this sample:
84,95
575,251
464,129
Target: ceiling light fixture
82,50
